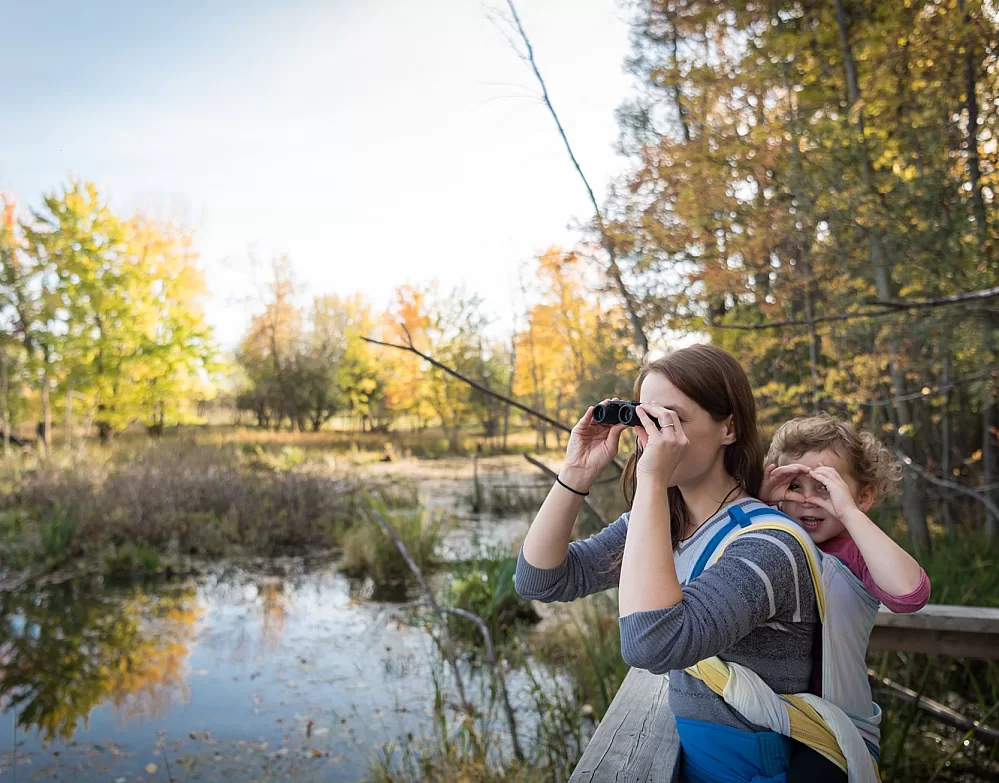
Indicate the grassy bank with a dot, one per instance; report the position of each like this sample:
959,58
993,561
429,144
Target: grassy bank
177,498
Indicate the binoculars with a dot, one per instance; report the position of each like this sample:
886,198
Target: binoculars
619,412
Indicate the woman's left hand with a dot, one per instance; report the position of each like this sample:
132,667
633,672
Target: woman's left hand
666,444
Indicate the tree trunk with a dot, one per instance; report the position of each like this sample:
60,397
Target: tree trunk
988,457
945,456
513,372
46,432
913,508
971,104
69,415
5,401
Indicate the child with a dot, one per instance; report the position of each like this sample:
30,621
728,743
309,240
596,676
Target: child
826,476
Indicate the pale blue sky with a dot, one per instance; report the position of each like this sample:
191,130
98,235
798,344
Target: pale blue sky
374,142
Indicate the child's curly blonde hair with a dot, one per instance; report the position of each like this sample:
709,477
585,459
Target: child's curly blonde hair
871,463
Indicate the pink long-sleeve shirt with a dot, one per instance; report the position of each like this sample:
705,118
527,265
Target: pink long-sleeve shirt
844,547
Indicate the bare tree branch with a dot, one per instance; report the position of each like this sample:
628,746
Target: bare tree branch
552,474
474,384
970,296
923,473
817,320
894,306
989,372
615,271
939,711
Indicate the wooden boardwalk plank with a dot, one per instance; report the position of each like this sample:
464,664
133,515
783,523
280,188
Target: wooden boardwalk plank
636,742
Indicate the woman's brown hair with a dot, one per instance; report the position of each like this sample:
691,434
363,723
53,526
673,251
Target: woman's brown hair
714,380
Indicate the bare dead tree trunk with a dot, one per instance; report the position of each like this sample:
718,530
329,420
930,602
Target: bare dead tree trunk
981,229
912,500
46,411
804,241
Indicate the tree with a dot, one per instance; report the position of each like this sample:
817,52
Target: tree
794,162
447,327
116,314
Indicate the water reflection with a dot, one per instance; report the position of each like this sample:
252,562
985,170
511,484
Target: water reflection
67,648
259,670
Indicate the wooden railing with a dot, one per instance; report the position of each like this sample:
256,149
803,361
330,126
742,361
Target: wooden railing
636,742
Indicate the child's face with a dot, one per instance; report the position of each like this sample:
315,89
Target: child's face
818,523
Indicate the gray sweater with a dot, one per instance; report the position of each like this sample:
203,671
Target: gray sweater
755,606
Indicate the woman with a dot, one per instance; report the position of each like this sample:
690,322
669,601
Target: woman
755,606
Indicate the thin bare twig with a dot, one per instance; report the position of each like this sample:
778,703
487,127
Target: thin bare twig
923,473
487,639
893,306
988,372
939,711
940,301
474,384
552,474
615,271
425,586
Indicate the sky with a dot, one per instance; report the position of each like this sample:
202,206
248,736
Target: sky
375,142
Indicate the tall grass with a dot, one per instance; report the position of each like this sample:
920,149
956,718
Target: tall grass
369,551
963,570
485,588
178,497
585,642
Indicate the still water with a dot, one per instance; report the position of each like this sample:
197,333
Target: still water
266,670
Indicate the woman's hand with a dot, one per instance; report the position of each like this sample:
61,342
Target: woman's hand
666,445
592,447
839,500
776,483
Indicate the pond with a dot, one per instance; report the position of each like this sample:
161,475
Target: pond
263,670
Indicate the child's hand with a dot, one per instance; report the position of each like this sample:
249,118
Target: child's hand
839,500
777,480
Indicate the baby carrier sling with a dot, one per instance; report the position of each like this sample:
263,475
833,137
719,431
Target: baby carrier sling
842,724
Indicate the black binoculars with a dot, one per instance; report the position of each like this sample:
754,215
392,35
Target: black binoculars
619,412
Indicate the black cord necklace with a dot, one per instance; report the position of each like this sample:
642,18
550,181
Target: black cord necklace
721,505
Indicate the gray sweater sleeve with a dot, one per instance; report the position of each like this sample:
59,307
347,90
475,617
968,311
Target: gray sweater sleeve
761,577
588,568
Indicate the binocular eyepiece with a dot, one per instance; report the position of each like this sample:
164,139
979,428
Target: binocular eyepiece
617,412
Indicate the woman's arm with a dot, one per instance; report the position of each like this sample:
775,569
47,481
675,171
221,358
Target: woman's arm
648,575
760,578
589,566
547,539
545,570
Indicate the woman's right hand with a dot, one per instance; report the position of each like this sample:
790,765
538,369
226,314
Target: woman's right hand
592,447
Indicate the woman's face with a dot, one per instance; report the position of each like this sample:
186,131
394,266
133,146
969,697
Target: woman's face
707,437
